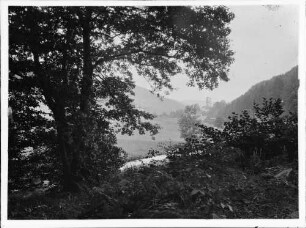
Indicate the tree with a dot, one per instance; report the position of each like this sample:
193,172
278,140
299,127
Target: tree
80,60
265,135
28,128
189,120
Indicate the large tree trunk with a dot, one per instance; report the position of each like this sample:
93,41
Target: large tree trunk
86,93
71,153
87,80
63,152
69,148
66,151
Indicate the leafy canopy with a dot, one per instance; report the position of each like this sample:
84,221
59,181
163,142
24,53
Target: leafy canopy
157,41
80,62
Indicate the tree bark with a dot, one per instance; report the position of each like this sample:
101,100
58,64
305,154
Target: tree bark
63,151
55,103
87,80
69,153
86,94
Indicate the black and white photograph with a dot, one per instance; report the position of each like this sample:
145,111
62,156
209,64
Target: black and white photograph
153,111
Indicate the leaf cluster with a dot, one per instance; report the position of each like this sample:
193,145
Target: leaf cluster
259,136
266,134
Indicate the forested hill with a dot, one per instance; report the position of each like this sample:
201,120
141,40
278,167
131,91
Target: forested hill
146,100
283,86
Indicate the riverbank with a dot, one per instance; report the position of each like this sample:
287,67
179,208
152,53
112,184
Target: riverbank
160,159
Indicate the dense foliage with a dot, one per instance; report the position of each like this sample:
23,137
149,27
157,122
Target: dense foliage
31,139
80,61
202,178
260,136
266,134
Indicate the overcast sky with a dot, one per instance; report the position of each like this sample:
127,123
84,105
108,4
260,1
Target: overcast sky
265,43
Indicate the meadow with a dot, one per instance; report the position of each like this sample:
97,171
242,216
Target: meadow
138,146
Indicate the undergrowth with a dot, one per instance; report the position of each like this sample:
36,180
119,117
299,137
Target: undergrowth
247,170
193,186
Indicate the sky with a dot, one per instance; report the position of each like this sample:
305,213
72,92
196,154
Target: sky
265,43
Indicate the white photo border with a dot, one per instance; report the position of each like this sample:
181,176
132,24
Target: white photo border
150,222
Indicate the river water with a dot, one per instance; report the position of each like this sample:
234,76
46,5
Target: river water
144,161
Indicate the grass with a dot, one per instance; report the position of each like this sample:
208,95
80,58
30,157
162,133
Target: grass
137,146
140,148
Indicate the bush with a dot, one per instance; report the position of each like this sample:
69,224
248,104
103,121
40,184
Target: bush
208,142
258,136
33,149
264,135
189,120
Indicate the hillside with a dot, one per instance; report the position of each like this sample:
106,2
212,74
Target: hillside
191,102
283,86
146,100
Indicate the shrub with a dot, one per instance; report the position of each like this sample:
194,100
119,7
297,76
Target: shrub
189,120
264,135
258,136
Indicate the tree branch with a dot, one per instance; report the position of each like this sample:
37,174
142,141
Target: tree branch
122,55
45,85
